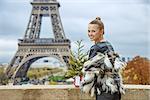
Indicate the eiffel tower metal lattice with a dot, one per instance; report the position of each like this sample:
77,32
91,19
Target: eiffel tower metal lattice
32,47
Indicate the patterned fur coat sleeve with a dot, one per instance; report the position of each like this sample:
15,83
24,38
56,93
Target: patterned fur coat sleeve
102,74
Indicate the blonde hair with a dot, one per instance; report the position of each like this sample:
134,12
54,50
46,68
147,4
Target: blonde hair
98,21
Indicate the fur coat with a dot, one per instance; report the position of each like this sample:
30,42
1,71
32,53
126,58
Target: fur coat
102,74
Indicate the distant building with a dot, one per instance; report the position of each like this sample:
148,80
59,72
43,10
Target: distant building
126,59
123,59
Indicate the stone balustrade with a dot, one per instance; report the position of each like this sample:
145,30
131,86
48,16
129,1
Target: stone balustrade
65,92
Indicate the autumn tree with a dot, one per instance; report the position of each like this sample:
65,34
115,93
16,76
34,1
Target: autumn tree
137,71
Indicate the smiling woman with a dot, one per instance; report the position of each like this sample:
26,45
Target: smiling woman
106,82
96,30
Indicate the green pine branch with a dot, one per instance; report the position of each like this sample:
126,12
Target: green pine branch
76,61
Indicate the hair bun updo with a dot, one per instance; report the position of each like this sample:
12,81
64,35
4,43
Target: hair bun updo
99,22
98,18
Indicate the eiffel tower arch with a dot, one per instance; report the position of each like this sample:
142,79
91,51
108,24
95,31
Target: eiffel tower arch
32,47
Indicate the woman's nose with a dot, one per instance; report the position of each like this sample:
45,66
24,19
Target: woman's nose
90,33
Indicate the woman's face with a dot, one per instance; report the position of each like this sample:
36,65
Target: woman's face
95,33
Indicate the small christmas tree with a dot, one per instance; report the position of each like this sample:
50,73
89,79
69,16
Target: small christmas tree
76,61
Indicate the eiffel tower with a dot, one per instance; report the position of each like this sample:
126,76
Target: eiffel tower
32,47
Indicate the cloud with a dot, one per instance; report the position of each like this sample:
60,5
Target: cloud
13,21
126,23
106,1
8,48
7,45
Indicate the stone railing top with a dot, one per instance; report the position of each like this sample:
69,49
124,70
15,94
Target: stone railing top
137,86
63,87
37,87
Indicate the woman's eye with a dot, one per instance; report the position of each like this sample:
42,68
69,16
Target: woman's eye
93,31
88,30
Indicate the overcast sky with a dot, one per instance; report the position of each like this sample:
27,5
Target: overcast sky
126,24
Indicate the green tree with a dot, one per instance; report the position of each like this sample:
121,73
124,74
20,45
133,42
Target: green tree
3,78
76,61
